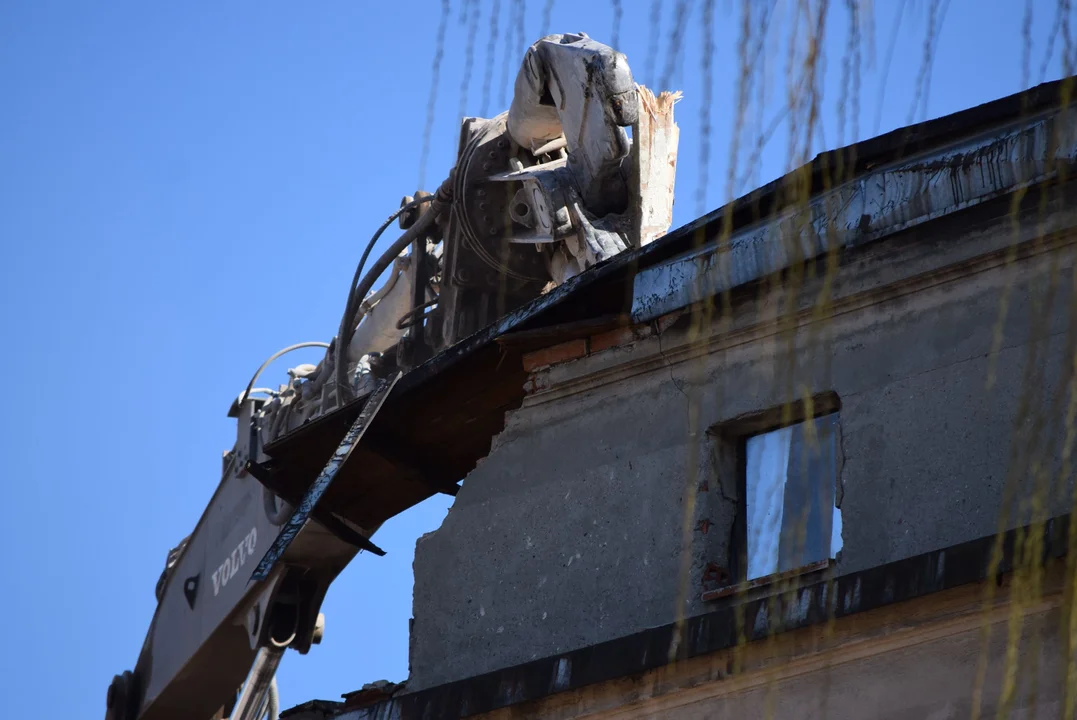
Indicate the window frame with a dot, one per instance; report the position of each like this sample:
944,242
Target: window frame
732,443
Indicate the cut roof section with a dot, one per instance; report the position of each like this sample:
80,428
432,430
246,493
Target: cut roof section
450,407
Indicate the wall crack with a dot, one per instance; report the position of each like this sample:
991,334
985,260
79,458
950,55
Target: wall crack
679,384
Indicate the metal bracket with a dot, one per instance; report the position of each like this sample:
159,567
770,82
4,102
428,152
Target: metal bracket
329,521
344,450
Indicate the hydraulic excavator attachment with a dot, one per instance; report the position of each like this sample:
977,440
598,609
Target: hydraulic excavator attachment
538,195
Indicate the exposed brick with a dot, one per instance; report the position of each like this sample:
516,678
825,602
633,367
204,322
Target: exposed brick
611,338
618,337
557,354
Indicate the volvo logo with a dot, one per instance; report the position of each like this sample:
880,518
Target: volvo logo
235,561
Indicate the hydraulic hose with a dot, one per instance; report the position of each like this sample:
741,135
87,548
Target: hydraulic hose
274,356
350,308
441,202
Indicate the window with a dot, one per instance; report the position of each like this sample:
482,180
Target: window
776,494
791,497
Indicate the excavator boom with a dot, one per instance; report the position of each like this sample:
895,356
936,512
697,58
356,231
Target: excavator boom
538,194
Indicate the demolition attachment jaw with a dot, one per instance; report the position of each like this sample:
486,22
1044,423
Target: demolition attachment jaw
555,184
554,172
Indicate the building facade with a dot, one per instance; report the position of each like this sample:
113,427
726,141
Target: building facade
806,457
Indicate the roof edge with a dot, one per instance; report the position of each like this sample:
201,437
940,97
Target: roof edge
966,171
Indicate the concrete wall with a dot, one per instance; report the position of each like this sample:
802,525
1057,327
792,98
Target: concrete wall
572,531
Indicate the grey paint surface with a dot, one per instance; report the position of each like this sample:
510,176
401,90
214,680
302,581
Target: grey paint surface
570,532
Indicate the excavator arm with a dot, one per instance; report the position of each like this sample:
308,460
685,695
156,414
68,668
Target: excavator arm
537,195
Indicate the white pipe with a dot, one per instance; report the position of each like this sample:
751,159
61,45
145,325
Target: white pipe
259,683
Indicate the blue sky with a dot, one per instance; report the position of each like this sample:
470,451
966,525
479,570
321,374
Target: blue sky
186,188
